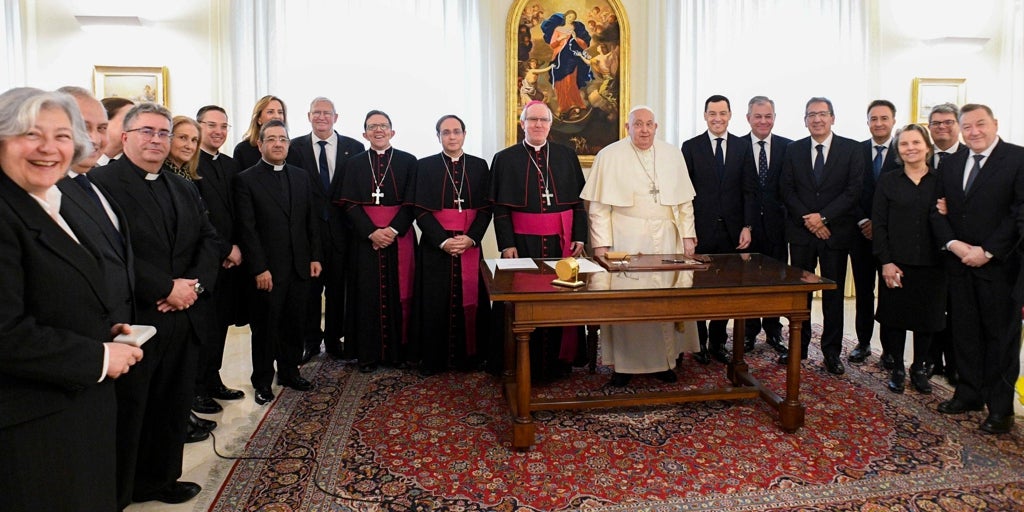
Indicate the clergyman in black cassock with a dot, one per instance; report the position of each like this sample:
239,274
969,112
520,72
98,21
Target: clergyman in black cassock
451,307
538,213
376,186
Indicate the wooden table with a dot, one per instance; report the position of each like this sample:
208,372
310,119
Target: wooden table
736,286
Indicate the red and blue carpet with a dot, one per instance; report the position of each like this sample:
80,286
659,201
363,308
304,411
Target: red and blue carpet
393,440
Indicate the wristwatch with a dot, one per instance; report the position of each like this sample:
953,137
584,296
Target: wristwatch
824,219
199,289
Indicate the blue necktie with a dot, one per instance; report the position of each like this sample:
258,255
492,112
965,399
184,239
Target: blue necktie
83,181
879,158
762,166
325,172
720,158
819,164
974,172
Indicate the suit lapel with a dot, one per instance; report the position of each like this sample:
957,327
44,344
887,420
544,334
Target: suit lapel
51,236
74,195
992,165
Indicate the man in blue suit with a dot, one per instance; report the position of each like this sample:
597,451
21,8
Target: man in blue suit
722,172
768,231
822,178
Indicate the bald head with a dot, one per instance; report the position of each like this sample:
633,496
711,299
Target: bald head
95,117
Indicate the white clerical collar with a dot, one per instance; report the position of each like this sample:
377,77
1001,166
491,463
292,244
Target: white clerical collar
214,155
535,148
274,166
380,152
454,158
152,176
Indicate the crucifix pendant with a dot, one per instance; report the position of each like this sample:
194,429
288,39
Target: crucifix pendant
459,201
654,192
547,196
377,196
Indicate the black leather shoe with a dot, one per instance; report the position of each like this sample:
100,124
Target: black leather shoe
957,406
919,378
200,423
861,353
775,342
620,380
297,383
783,359
834,366
223,392
667,376
264,396
205,405
887,361
194,434
178,492
997,424
702,357
897,378
952,376
749,342
718,353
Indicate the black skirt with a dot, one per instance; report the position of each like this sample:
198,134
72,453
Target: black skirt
920,305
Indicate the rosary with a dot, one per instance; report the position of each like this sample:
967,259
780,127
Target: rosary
377,195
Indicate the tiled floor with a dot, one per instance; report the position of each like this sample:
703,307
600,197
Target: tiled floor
240,418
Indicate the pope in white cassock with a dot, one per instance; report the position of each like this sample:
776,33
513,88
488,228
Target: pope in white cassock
641,201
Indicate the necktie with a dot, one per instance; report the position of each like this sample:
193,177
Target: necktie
325,172
974,172
879,158
819,164
762,166
83,181
720,158
942,158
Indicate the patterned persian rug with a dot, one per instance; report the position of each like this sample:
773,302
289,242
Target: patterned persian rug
393,440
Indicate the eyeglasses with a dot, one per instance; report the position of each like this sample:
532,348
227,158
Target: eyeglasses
322,113
273,139
213,126
375,127
456,132
948,123
151,133
539,120
820,115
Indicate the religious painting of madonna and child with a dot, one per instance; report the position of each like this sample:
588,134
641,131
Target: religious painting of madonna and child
573,56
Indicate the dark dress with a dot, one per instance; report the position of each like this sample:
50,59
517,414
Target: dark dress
246,155
450,320
902,235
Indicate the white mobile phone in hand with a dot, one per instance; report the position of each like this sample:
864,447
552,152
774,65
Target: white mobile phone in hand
139,335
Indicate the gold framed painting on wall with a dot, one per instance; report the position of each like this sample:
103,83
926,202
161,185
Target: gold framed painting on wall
138,84
574,56
929,92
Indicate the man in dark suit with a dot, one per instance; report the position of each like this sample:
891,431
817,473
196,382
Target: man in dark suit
216,186
879,155
984,191
822,177
89,210
278,231
722,172
944,126
768,233
177,254
321,153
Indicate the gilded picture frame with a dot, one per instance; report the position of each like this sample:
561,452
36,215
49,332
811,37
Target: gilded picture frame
928,92
138,84
579,48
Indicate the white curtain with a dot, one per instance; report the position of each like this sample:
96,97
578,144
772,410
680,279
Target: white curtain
789,52
12,72
414,59
1011,122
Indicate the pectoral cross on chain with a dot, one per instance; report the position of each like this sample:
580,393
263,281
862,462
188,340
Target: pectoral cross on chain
654,192
459,201
377,196
547,196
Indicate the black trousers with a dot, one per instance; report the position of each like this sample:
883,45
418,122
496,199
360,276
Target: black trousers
719,243
274,333
833,266
865,271
772,325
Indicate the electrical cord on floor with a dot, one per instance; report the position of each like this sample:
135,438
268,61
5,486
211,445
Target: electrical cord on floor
316,472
